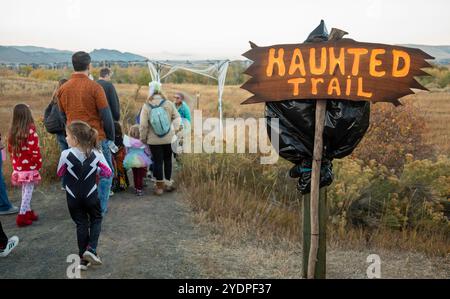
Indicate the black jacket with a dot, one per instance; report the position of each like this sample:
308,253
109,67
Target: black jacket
53,119
113,99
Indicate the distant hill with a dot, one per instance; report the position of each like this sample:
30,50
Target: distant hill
33,49
440,53
114,55
32,54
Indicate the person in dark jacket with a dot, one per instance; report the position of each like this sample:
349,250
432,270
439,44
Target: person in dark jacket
110,91
53,120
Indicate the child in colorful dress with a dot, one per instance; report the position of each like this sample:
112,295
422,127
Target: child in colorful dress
120,181
80,165
23,145
137,158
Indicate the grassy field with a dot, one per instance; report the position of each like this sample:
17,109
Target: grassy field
434,105
38,93
239,198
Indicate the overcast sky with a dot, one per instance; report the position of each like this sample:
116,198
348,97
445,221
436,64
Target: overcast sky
214,29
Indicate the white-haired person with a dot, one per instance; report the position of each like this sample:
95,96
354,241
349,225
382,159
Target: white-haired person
159,122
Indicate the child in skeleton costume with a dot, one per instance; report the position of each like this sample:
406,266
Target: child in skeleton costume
79,165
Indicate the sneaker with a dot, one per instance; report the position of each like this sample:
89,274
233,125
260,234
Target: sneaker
84,264
92,257
12,210
111,193
139,192
12,243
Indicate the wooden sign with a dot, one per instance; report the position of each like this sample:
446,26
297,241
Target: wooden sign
342,69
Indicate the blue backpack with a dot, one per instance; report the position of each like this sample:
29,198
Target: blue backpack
159,119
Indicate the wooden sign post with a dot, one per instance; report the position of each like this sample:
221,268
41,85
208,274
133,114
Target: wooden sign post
315,229
341,69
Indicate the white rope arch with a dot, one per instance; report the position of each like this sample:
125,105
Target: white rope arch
214,69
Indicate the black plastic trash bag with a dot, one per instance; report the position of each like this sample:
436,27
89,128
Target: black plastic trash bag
346,122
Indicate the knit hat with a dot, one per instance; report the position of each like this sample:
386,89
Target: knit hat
180,94
153,88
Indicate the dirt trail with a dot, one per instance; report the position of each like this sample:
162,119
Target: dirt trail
155,237
140,238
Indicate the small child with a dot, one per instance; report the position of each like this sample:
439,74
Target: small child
7,245
137,158
80,165
23,144
120,181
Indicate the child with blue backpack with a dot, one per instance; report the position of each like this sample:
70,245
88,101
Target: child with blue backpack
159,121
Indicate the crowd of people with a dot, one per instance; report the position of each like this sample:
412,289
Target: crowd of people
96,156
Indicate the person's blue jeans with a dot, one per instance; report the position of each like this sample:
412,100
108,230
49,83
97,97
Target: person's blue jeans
62,142
5,205
104,184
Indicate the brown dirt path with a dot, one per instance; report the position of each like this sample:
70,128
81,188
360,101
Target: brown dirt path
140,238
156,237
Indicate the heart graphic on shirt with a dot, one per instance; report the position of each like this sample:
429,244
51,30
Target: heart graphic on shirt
25,161
31,142
40,160
14,161
31,131
35,152
24,149
19,168
33,167
35,135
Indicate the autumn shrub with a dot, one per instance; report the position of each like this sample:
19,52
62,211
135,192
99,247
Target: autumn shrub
48,75
394,132
439,77
373,196
365,201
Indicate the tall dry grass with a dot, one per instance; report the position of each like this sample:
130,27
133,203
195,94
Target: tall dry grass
243,200
435,107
